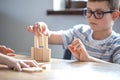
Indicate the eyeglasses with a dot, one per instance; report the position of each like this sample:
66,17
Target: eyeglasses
97,14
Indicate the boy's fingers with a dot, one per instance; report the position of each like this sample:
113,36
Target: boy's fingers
71,48
73,51
38,28
41,28
74,42
30,28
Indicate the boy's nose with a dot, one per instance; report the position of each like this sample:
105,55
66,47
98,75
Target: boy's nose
92,17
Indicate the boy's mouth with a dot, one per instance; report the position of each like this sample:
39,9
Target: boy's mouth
92,24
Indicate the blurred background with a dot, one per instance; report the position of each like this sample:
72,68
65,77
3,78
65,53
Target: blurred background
16,15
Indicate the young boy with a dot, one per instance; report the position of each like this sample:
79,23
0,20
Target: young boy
12,63
95,42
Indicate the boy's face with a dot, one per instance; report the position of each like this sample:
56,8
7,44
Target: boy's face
105,22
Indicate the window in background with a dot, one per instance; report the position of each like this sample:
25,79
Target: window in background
67,7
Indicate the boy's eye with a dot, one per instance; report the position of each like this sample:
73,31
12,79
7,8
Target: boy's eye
99,13
88,12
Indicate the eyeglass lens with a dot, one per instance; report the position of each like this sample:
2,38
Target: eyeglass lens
97,14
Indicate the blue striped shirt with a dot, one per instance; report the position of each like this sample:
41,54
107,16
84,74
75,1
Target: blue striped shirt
107,49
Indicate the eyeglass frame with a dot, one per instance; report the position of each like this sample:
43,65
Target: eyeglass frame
93,13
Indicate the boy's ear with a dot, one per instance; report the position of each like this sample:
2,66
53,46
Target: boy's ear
116,14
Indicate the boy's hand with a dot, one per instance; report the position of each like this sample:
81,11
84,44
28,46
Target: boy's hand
7,51
78,50
39,28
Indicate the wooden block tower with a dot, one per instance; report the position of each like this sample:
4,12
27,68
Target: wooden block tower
40,52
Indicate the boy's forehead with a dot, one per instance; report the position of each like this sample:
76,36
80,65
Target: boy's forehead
97,5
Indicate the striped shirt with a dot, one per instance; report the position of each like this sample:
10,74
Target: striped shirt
107,49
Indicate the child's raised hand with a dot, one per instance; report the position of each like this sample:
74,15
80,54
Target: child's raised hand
39,28
78,50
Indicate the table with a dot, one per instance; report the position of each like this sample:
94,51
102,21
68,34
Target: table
59,69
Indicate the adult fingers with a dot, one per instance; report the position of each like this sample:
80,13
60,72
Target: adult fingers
9,50
31,63
3,49
17,67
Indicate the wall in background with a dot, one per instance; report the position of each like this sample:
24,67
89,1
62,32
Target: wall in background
15,15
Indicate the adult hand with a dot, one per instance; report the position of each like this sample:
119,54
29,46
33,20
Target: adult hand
6,51
17,64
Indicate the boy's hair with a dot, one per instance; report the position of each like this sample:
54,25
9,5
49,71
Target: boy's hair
113,4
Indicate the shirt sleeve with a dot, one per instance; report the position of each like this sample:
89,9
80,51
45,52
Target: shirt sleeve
116,52
78,31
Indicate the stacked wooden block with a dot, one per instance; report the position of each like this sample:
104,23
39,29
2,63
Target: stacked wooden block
40,52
